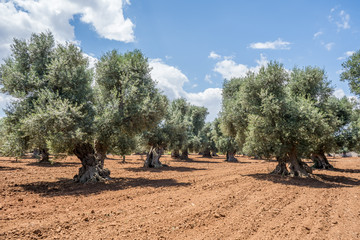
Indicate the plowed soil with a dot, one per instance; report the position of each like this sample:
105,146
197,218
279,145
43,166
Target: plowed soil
203,198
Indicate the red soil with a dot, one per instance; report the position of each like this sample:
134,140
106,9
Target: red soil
199,199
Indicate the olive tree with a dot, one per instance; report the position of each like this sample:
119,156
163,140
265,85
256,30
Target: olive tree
23,76
186,120
225,144
157,140
175,119
311,83
123,145
207,144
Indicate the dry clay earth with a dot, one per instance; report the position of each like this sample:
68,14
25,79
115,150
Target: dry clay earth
203,198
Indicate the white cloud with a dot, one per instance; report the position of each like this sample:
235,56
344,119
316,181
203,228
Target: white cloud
171,81
316,35
339,93
20,18
346,55
340,18
328,46
210,98
344,20
214,55
228,68
108,19
92,60
277,44
208,78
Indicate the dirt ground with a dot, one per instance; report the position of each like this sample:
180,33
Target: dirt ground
204,198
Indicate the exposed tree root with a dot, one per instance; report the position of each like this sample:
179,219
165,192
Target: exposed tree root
281,168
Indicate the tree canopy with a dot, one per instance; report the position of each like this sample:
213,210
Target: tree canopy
58,108
277,114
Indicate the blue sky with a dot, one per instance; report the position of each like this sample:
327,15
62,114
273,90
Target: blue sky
193,45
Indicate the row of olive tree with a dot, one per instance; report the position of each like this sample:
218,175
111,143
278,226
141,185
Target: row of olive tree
62,106
284,114
58,109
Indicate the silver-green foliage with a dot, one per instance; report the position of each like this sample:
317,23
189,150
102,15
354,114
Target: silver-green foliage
223,143
186,122
127,101
57,106
274,113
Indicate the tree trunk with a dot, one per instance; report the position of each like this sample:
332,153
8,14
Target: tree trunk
320,161
230,156
214,154
153,158
92,169
175,154
184,155
344,154
207,153
123,159
100,152
43,155
281,168
36,153
297,167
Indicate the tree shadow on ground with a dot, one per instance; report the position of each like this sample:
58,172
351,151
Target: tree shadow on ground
54,164
130,163
67,187
190,160
345,170
318,181
243,162
163,169
9,168
112,158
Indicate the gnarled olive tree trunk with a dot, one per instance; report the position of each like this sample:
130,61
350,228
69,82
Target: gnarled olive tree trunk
184,155
281,168
297,167
43,155
320,161
207,153
175,154
230,156
92,169
153,158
